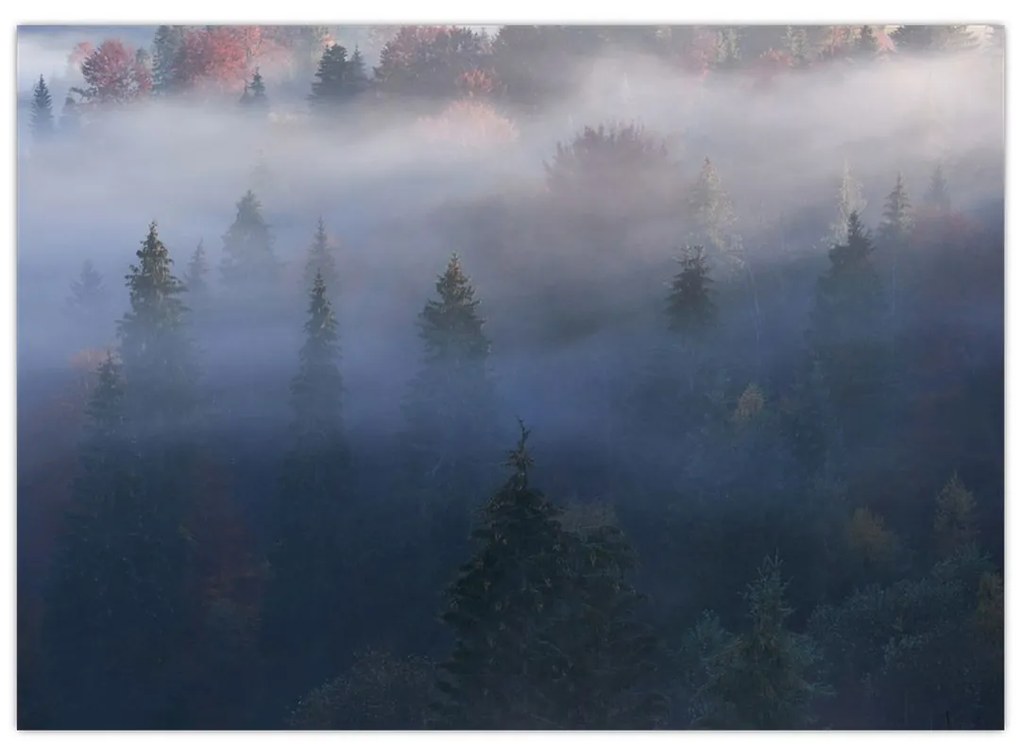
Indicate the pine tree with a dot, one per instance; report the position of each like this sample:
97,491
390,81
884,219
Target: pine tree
196,278
88,296
450,407
255,92
166,58
116,624
306,603
248,258
42,111
338,79
154,346
894,233
690,309
712,210
765,678
320,260
954,525
850,199
504,610
937,196
847,324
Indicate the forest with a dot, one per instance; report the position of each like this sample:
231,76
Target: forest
519,377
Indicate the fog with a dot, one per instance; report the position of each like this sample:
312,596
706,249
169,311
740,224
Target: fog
572,283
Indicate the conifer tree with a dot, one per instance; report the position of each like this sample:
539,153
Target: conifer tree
88,296
954,525
504,611
894,232
850,199
764,678
937,196
248,258
712,210
42,111
306,602
690,309
117,622
154,345
337,79
166,58
847,324
795,40
196,279
255,92
450,407
320,260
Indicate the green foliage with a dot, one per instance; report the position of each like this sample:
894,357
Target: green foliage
712,211
248,258
850,200
337,79
690,309
42,111
254,95
88,296
764,678
195,279
897,220
320,260
379,691
306,605
937,195
954,526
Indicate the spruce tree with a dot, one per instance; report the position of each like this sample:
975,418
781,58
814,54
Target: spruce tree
712,211
154,345
42,111
337,79
320,260
117,623
449,407
196,278
847,325
306,602
504,609
167,54
248,258
867,42
894,233
88,296
850,199
936,197
255,92
795,41
690,310
766,677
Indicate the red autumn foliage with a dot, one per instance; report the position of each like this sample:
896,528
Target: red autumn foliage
113,74
477,83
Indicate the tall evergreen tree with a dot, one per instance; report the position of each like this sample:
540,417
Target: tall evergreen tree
504,610
449,408
154,345
850,199
867,42
196,279
712,211
337,79
894,233
248,258
167,53
847,324
795,41
306,603
255,92
766,677
937,195
42,111
320,260
88,296
690,309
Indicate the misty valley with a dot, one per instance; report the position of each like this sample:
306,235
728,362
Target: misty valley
520,377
